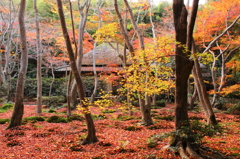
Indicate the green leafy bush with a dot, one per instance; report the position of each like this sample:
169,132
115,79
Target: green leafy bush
153,139
75,117
109,111
159,104
6,107
235,109
197,131
53,100
124,118
3,121
57,119
52,111
33,119
132,128
168,117
99,117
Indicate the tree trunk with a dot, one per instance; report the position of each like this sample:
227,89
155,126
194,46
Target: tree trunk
91,136
18,110
193,98
145,106
202,92
183,69
39,62
95,74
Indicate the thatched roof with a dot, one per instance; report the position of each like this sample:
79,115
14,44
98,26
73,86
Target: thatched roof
105,54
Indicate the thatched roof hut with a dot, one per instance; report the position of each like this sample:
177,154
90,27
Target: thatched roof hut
109,57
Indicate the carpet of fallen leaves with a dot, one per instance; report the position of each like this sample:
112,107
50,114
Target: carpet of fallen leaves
62,140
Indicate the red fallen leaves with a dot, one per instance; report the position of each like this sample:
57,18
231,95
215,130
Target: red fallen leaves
117,139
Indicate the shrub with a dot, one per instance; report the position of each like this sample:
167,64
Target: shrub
132,128
33,119
124,118
53,100
109,111
5,107
56,119
3,121
2,100
52,111
75,117
198,131
168,117
99,117
153,139
160,104
235,109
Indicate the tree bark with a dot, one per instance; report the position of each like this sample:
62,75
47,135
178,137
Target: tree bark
39,62
202,92
91,136
183,69
18,110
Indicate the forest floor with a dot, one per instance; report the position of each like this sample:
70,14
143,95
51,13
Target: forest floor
120,136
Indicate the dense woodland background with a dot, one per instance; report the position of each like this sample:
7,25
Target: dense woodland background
90,59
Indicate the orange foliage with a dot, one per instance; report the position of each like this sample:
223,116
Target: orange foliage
212,18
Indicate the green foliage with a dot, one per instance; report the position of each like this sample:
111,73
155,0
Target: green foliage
52,111
45,10
53,100
30,87
197,131
99,117
75,117
6,107
57,119
168,117
235,109
124,118
3,121
153,139
109,111
33,119
132,128
159,104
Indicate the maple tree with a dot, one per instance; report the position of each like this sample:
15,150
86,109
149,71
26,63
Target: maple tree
217,34
148,74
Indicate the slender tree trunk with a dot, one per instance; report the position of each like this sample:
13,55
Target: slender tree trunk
39,62
18,110
214,79
95,74
70,75
202,92
68,95
91,136
94,54
145,104
51,84
193,98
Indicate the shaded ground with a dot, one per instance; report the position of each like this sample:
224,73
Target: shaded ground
120,136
